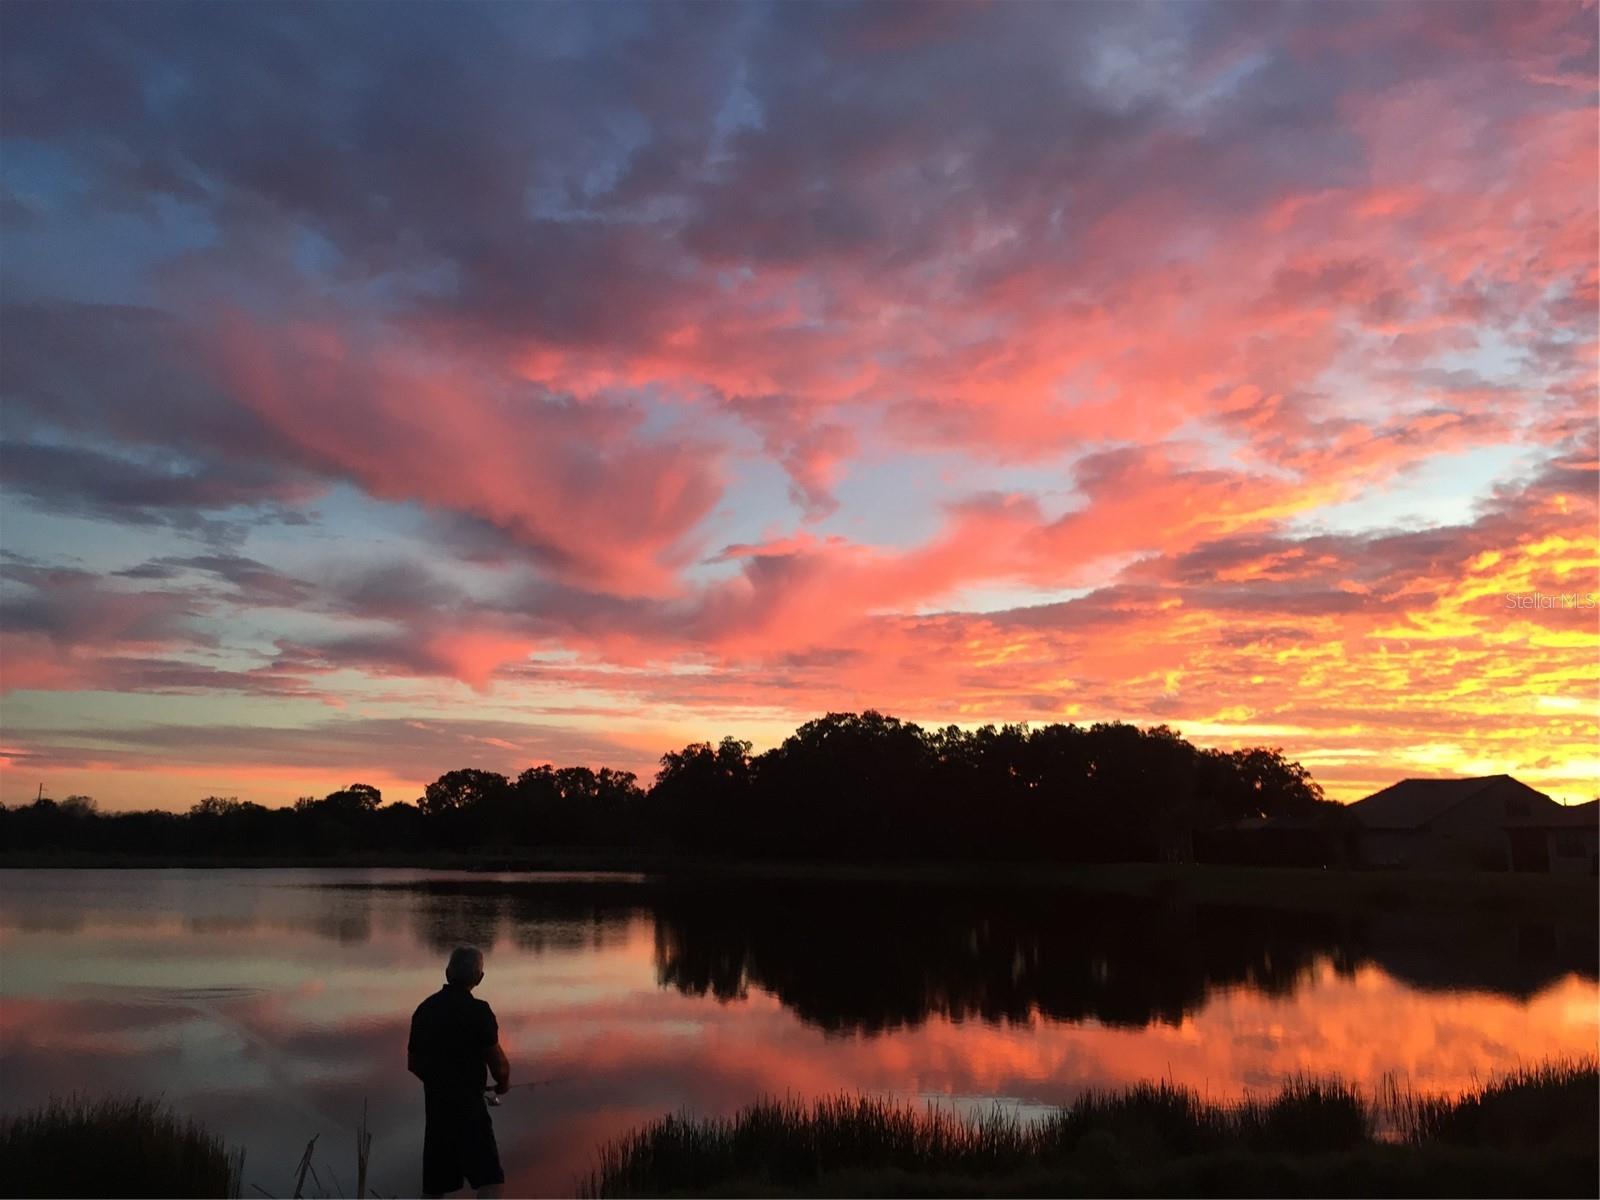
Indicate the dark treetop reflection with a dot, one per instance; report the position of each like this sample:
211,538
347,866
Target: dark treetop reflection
275,1003
864,957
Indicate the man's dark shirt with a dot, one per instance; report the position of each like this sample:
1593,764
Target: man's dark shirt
450,1033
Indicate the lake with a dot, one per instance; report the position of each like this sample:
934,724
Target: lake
273,1004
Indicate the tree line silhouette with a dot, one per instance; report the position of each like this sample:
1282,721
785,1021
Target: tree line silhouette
847,786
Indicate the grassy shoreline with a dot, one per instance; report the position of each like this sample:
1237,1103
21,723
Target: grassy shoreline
1530,1133
115,1146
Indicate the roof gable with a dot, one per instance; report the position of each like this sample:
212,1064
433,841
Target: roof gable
1412,803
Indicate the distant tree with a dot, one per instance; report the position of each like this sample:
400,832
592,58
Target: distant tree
847,785
216,806
1285,787
574,806
614,809
469,807
398,826
462,791
703,797
358,798
1256,782
988,792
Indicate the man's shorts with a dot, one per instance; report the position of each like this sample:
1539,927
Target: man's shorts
458,1143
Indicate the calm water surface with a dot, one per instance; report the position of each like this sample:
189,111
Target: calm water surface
273,1004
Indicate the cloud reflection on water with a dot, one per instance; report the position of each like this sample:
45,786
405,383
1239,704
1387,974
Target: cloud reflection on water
269,1007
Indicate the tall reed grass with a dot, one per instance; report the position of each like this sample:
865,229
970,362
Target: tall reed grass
121,1146
1534,1105
1109,1141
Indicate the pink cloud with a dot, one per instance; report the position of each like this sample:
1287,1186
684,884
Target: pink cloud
1193,277
568,481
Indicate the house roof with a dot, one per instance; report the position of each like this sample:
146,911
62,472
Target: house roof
1412,803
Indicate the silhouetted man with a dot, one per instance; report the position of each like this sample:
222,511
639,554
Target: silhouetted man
455,1042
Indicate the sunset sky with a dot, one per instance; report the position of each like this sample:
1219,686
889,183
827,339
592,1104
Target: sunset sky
395,388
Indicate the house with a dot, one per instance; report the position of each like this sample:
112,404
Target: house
1490,823
1572,839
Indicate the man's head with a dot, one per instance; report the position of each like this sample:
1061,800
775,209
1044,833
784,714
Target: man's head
465,968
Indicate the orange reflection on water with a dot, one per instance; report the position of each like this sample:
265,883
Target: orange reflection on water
276,1009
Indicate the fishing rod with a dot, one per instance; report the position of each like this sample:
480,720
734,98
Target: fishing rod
492,1097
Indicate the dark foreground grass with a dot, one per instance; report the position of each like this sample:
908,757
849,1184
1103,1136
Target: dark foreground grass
1532,1133
125,1146
1550,1103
